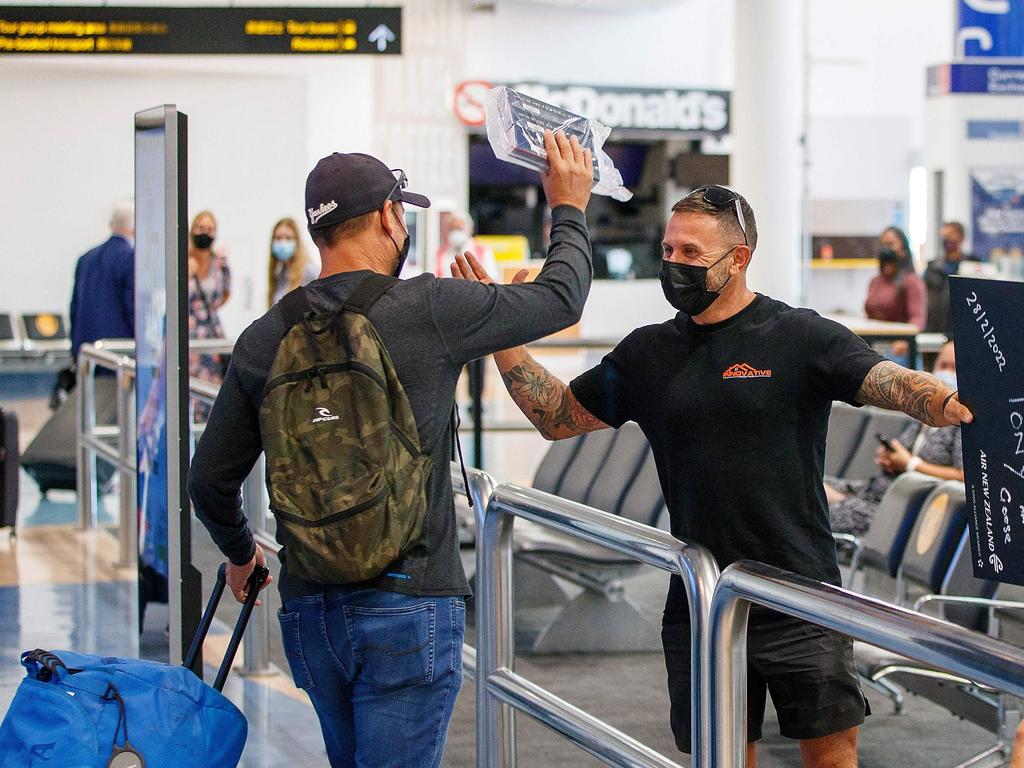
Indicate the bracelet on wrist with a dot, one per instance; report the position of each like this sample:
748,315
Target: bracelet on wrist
913,464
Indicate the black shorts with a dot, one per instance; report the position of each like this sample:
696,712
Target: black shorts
808,670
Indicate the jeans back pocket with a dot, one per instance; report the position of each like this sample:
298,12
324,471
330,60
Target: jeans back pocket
291,637
394,647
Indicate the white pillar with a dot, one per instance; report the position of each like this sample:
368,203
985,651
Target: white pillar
767,126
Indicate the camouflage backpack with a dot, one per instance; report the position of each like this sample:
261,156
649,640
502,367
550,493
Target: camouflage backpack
346,474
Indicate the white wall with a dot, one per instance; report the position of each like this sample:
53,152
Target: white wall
254,132
684,44
866,93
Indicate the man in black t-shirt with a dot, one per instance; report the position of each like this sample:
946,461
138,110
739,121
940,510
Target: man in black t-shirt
734,396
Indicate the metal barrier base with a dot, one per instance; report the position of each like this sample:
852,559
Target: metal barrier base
590,624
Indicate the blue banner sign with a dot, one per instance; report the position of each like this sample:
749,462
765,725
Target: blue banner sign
991,28
997,212
995,79
990,375
995,129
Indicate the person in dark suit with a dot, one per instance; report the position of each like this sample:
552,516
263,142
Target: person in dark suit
103,297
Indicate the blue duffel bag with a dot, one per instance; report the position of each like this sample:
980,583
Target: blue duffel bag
75,710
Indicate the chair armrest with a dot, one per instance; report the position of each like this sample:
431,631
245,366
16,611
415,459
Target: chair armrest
984,602
858,550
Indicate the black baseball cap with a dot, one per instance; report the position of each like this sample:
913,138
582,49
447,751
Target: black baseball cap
343,186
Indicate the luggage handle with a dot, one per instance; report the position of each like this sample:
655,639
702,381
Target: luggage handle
257,579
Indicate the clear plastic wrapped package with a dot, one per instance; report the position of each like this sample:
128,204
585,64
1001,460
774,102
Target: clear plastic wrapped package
515,128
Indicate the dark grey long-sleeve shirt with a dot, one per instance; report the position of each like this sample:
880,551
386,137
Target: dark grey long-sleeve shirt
431,329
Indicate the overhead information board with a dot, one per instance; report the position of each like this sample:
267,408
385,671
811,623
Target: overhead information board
990,374
198,30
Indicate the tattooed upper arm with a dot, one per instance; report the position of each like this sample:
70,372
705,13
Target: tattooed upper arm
891,386
547,402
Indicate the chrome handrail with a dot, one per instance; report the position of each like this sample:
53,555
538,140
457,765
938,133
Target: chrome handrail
90,443
94,441
934,642
497,682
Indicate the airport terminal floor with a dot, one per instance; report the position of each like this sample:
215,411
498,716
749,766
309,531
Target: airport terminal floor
60,587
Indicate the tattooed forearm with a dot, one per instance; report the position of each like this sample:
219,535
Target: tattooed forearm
917,394
547,402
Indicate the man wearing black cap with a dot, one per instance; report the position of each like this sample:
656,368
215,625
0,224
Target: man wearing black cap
381,659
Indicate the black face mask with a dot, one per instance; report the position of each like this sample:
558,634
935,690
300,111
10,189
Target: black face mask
686,285
202,241
403,252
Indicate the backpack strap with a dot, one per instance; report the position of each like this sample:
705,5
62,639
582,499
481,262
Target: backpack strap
371,288
294,307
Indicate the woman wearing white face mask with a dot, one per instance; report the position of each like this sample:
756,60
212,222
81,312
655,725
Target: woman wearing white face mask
290,263
929,450
458,240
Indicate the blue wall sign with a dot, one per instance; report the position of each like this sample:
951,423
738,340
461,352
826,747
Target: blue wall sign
995,129
991,28
994,79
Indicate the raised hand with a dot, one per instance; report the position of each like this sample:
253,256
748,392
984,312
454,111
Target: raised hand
466,267
570,174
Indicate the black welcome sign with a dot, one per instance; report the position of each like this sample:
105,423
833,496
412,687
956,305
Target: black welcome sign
988,328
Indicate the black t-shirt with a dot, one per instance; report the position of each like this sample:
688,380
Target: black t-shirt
736,414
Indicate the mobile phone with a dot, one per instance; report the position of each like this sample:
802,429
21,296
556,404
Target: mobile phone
884,441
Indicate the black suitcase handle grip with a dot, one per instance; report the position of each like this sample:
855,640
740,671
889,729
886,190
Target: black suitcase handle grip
257,579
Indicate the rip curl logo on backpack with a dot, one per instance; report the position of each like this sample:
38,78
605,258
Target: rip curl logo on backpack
324,415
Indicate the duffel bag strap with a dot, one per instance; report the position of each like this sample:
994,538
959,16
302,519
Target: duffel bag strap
42,665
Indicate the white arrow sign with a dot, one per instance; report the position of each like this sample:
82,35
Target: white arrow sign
382,35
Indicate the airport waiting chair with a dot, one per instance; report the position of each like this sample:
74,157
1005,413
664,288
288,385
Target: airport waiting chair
45,331
978,605
845,429
861,465
612,470
556,461
10,339
933,542
877,555
929,559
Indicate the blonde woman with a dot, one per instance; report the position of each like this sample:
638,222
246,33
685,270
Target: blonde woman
209,287
290,264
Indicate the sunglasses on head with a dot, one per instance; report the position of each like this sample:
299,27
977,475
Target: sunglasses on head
401,182
720,197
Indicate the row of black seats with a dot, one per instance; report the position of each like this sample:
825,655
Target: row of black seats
39,330
919,553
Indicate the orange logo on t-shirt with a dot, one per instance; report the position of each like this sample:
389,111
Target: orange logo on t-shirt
744,371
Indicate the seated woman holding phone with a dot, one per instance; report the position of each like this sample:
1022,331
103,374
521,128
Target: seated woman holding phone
918,448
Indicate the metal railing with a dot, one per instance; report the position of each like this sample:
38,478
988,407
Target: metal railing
256,653
500,688
938,643
96,442
93,440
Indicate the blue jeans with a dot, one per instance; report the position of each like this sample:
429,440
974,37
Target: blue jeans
382,669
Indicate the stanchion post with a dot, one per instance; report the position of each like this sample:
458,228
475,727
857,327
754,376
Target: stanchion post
495,641
699,572
86,469
256,650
